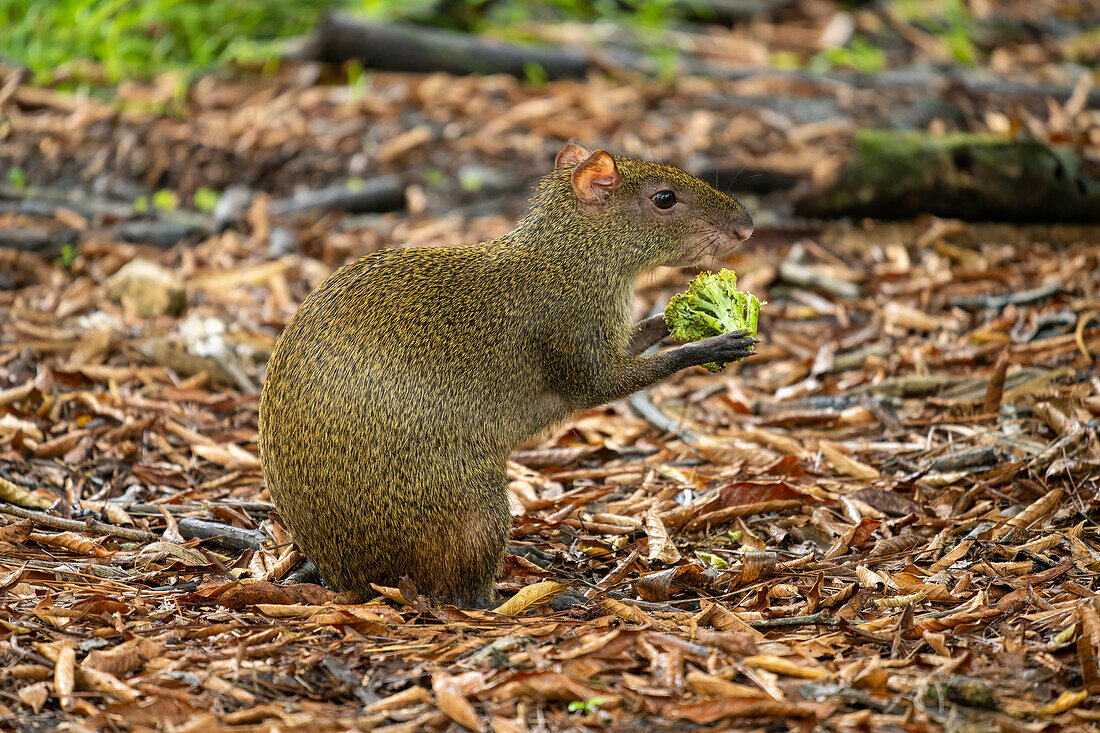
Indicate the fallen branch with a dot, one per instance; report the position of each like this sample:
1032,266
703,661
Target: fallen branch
232,537
821,617
999,302
965,460
386,193
38,201
76,525
899,174
406,47
39,240
161,234
653,415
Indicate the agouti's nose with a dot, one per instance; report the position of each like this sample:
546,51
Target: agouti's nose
742,226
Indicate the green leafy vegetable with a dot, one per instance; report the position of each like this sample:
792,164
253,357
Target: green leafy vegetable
711,306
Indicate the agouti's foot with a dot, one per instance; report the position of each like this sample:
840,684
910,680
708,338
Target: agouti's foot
724,348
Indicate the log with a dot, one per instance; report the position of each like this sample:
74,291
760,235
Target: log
160,233
731,12
407,47
386,193
40,240
40,201
896,175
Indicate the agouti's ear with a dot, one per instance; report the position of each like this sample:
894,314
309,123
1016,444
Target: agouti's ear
595,178
573,152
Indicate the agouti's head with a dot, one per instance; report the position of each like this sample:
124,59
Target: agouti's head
658,214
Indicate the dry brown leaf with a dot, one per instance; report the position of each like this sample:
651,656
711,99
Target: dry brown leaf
17,495
1066,701
18,532
231,457
550,685
705,712
661,547
94,680
783,666
530,596
124,659
1088,645
628,612
239,594
1038,509
450,699
71,541
844,464
34,696
706,685
64,676
404,699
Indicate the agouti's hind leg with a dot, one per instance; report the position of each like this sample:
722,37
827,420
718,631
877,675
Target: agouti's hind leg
458,563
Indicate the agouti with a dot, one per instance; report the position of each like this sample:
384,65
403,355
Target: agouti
399,388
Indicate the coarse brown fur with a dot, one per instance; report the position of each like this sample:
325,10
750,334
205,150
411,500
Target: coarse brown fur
396,393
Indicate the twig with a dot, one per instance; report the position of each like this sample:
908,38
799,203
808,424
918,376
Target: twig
232,537
998,302
652,414
965,459
76,525
793,271
821,617
161,234
37,239
35,200
183,508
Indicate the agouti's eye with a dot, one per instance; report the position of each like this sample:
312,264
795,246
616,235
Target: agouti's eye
664,199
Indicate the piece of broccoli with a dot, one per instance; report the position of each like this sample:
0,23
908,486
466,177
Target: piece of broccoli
712,305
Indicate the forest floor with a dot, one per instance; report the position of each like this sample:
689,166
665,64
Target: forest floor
885,520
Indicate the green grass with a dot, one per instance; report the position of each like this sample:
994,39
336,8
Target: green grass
950,20
136,38
80,42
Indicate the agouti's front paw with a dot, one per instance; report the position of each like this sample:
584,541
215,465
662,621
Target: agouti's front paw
722,349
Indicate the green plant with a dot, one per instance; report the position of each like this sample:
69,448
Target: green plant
584,708
950,20
956,36
84,43
535,73
786,61
17,177
713,560
435,177
860,55
138,38
69,253
165,199
205,199
357,81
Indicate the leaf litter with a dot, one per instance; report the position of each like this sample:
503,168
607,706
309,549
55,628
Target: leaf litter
884,520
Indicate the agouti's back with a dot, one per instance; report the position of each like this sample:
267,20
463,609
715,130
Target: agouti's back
397,391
